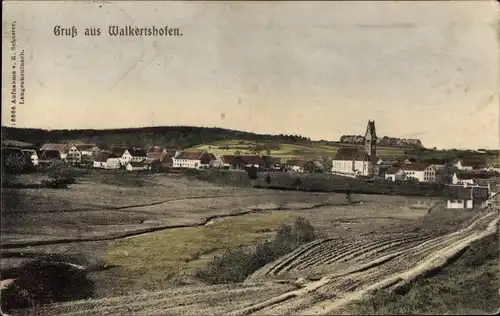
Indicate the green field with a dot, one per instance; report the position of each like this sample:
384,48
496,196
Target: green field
300,149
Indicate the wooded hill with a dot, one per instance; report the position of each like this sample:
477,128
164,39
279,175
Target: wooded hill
169,137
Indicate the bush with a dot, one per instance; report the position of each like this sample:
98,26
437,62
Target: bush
235,265
43,282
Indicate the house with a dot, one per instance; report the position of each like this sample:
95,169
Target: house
492,168
463,178
272,163
437,163
395,174
462,164
158,156
107,160
60,147
223,161
467,197
74,156
420,171
301,165
355,161
119,151
32,155
133,155
49,157
252,161
90,150
136,166
193,159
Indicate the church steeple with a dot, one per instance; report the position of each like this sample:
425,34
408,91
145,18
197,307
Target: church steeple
370,141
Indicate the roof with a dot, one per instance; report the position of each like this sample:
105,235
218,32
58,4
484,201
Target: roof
415,166
475,175
155,149
118,150
392,170
271,161
50,154
190,154
161,156
137,164
137,152
253,160
103,156
62,148
465,193
351,153
297,162
85,147
227,158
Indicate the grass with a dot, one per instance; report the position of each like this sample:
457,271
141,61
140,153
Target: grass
468,286
179,251
303,149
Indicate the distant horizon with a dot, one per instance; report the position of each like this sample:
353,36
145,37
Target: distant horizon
425,70
236,130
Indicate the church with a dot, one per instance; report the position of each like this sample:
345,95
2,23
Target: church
358,161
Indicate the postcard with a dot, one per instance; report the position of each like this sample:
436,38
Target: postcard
250,157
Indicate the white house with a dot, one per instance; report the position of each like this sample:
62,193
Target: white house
395,174
133,155
301,165
136,166
351,161
106,160
468,197
420,171
193,159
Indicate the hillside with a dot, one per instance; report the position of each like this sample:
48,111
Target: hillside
170,137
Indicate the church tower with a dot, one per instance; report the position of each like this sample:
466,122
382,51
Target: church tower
370,140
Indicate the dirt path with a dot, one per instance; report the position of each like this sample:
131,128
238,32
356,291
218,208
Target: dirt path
386,262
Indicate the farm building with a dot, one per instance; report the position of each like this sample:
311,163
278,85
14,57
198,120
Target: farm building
133,155
63,149
273,163
395,174
119,151
48,157
468,197
193,159
223,161
355,161
136,166
468,164
107,160
74,156
157,157
420,171
90,150
301,165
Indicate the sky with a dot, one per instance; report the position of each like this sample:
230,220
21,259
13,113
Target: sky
427,70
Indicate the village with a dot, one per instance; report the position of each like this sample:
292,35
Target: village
474,182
